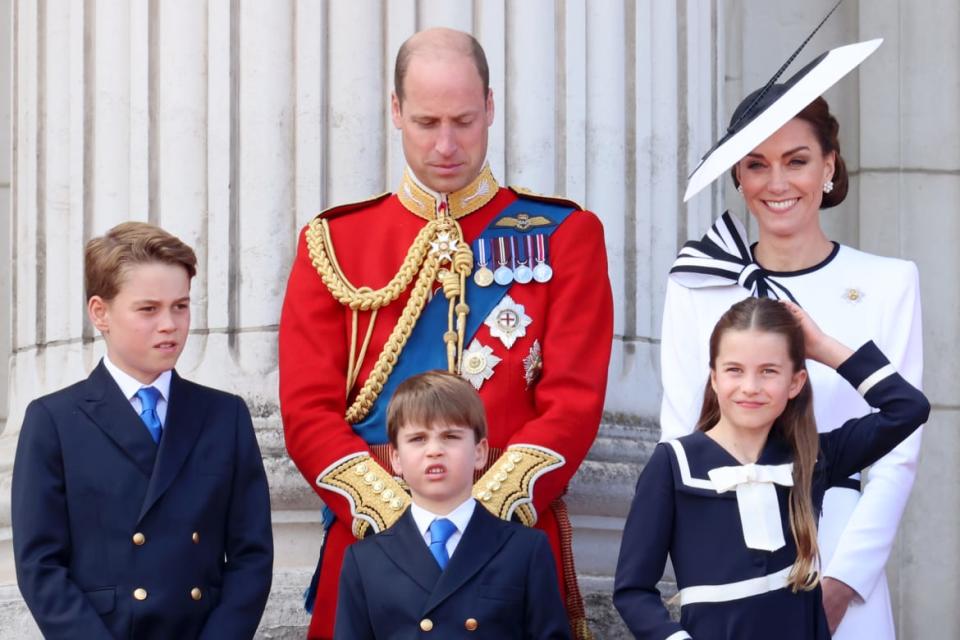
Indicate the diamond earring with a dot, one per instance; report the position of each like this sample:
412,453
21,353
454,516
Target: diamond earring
740,189
828,186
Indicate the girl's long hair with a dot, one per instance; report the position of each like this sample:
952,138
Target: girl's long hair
796,425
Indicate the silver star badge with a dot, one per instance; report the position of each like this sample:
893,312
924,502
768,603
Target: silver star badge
508,321
477,364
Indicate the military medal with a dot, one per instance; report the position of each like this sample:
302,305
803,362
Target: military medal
523,248
542,272
533,364
482,276
477,364
504,274
508,321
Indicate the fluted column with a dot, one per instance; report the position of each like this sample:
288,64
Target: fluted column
909,194
232,122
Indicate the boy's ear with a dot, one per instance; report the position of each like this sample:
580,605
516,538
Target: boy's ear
395,460
99,313
483,452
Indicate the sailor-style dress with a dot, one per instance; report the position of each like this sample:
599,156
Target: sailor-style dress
853,296
712,515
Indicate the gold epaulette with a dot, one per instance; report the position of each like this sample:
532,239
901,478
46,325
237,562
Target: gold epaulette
336,210
532,195
376,499
506,489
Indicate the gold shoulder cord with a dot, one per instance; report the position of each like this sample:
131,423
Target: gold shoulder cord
437,253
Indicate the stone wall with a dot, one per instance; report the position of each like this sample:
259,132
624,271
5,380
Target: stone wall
231,122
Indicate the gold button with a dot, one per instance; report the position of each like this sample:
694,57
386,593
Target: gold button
426,624
140,593
195,537
470,624
139,538
195,593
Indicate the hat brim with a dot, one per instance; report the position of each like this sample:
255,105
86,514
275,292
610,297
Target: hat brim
834,65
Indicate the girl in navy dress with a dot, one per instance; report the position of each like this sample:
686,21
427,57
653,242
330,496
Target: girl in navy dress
735,504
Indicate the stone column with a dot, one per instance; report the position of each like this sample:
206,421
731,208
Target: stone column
232,122
909,194
6,260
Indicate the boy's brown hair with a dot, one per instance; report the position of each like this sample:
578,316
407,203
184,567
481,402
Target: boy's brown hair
436,398
107,258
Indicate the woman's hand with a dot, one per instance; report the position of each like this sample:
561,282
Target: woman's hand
819,346
837,596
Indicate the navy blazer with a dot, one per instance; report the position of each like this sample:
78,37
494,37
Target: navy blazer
116,537
501,583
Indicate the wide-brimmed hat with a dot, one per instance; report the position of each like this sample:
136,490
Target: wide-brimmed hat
767,109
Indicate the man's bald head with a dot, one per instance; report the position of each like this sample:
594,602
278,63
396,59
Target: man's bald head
435,43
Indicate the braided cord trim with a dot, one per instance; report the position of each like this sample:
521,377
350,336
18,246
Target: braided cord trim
324,260
373,385
421,261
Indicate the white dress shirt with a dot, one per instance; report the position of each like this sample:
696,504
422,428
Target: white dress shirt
130,385
459,517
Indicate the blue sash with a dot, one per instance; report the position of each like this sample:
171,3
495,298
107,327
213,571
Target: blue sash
424,349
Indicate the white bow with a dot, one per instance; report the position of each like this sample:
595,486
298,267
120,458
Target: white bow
756,499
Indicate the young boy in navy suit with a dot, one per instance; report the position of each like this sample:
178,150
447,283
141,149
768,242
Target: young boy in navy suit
446,566
140,504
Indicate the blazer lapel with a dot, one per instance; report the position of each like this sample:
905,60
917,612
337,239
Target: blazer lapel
483,538
104,404
404,545
186,411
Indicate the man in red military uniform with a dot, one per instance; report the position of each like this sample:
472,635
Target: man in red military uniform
452,271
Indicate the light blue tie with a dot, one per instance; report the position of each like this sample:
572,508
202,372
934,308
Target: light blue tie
148,411
440,531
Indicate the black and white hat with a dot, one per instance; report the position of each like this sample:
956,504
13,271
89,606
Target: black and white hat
767,109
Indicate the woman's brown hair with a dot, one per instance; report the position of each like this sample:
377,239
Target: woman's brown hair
796,425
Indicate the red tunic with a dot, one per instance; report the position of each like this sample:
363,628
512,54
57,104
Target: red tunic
571,316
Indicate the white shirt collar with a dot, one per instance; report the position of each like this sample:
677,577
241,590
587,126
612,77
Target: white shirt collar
130,385
460,516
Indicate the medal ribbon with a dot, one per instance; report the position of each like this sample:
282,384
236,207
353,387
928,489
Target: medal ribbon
523,251
541,248
501,259
481,250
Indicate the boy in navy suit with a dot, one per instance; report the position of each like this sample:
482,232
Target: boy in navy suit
446,566
140,504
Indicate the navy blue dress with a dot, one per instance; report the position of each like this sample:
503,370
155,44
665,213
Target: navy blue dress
728,590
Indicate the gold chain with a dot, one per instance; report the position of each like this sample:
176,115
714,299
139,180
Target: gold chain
421,262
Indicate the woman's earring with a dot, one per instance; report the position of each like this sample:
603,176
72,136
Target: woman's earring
828,186
740,189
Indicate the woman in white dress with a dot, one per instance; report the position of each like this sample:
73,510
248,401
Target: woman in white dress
786,180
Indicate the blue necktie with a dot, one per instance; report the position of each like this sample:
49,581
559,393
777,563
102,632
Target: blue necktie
440,531
148,411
